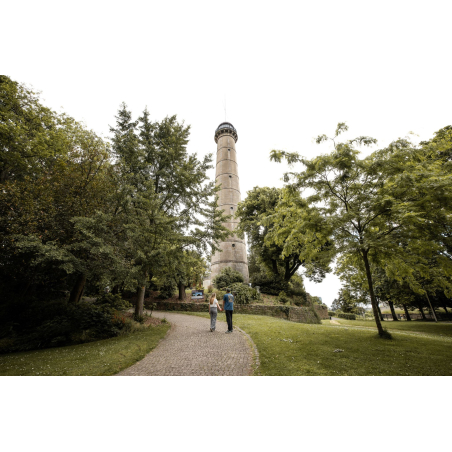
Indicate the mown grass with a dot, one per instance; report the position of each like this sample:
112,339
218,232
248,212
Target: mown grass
287,348
106,357
415,326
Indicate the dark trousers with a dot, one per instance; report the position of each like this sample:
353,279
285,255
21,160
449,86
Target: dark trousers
229,319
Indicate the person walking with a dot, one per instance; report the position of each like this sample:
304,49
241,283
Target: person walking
228,307
213,311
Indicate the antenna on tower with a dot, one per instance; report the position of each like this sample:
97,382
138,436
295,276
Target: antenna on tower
225,107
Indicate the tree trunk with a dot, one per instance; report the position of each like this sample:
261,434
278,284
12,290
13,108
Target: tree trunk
275,267
3,175
77,290
181,291
371,291
140,301
391,306
421,310
445,309
431,307
379,312
407,314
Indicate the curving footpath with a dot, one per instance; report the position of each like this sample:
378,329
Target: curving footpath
191,349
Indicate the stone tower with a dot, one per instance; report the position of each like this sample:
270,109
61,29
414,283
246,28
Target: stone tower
227,174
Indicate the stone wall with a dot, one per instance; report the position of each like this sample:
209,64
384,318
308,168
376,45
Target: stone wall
292,313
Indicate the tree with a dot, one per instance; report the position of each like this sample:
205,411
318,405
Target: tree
274,239
376,217
361,218
43,212
167,204
346,301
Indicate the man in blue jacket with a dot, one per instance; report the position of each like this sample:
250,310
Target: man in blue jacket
228,306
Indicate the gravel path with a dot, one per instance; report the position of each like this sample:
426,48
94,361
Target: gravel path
191,349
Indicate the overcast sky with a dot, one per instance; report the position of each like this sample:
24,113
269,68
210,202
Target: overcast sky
288,70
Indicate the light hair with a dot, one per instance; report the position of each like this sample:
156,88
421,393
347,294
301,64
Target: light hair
212,297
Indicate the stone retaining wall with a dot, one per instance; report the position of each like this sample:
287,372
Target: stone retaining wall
292,313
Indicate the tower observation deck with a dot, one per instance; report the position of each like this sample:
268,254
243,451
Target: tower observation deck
233,250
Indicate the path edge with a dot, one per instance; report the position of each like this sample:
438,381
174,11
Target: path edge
256,362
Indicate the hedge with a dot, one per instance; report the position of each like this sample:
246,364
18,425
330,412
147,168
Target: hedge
346,316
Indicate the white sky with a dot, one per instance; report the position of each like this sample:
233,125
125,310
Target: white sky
289,70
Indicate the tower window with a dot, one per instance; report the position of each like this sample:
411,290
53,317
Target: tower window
232,208
230,177
233,245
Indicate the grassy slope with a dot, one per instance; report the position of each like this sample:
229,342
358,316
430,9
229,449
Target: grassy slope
105,357
310,350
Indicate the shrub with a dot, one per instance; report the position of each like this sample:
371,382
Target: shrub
167,289
299,301
283,298
296,286
332,313
226,278
270,285
344,315
115,301
138,318
152,306
244,294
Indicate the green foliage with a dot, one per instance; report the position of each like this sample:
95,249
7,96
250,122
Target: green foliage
62,324
332,313
346,315
78,213
167,289
283,298
138,318
269,284
227,277
276,248
244,294
385,211
151,307
114,301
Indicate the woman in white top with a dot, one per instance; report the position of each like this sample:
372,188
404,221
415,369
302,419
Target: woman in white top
213,311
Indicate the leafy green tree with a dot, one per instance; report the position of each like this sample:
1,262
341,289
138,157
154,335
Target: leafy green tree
42,217
167,204
350,190
31,135
274,238
346,301
226,278
376,217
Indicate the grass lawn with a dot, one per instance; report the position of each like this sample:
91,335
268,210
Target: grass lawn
287,348
106,357
415,326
